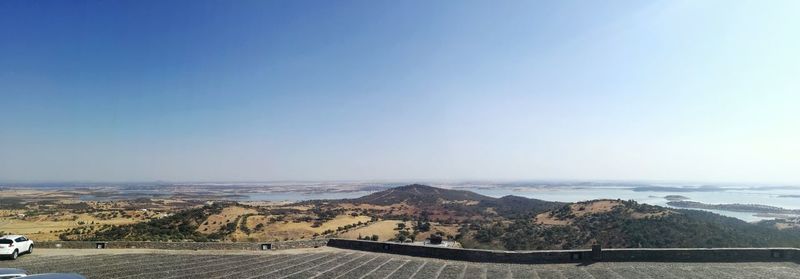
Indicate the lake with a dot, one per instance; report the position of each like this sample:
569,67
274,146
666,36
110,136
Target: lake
732,195
752,195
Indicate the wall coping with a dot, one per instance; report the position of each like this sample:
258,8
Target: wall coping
609,249
745,254
576,250
183,245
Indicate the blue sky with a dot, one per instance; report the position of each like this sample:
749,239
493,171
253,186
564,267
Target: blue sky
408,90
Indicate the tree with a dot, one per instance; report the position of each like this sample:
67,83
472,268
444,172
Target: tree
436,238
423,226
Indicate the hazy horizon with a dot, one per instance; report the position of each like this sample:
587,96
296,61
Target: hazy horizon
400,182
703,91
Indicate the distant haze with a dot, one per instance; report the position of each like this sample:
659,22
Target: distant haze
404,90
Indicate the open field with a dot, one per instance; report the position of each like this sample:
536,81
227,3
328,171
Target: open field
385,230
334,263
294,230
47,228
228,215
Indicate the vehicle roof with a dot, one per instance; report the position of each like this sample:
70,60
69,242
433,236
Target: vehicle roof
9,271
56,276
11,236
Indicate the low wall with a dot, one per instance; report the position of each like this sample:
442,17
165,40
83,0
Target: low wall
703,255
281,245
577,256
473,255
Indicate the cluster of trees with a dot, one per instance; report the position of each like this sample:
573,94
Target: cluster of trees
243,225
109,215
12,203
422,226
374,237
80,233
344,228
617,228
227,229
322,217
325,214
405,233
348,226
80,207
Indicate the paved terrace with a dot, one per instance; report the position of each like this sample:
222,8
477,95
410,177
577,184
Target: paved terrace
328,262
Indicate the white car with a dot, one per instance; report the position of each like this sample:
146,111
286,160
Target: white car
16,273
13,245
8,273
55,276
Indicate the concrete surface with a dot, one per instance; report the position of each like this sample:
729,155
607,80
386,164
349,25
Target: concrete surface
328,262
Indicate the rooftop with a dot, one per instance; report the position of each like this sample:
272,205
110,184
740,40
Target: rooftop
328,262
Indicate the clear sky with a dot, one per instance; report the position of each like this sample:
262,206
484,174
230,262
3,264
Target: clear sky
350,90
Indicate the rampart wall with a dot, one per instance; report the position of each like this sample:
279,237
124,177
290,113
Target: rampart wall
473,255
281,245
578,256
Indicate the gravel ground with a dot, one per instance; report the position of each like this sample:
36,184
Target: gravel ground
334,263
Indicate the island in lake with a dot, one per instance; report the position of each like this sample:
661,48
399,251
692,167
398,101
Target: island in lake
736,207
676,198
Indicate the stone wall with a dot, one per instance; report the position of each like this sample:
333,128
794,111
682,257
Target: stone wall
576,256
473,255
702,255
183,245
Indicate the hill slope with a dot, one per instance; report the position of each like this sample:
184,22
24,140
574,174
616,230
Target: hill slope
627,224
180,226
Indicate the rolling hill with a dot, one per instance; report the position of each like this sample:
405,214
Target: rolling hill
419,195
477,221
626,224
459,202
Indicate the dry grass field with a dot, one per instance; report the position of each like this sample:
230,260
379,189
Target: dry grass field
594,207
228,215
288,230
47,227
600,206
385,230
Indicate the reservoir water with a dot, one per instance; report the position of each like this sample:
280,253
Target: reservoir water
754,195
772,197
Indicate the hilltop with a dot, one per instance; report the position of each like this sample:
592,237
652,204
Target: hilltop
448,203
419,195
